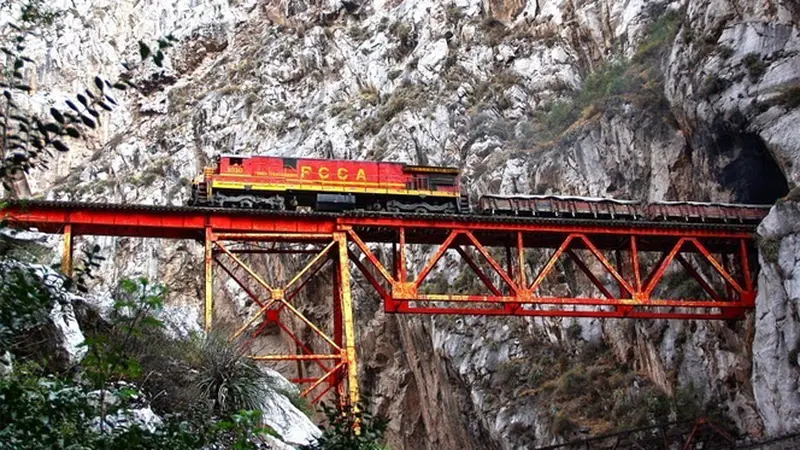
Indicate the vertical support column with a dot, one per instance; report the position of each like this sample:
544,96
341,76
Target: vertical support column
66,259
748,279
402,274
521,282
510,308
346,303
509,263
637,293
729,267
637,274
209,279
395,263
749,295
621,270
336,380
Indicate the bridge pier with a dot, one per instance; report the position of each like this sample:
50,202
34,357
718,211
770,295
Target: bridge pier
334,370
66,257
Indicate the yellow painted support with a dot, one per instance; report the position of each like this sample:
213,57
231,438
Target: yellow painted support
66,258
346,302
209,271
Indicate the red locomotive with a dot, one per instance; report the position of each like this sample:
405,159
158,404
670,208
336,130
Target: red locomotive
266,182
327,184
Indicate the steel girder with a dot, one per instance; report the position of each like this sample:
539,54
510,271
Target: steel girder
629,290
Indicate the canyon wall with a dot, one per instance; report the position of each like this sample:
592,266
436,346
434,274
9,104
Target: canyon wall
645,100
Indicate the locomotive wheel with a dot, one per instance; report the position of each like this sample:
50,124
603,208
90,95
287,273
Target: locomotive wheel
377,206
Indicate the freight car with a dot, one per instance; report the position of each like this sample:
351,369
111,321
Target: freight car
278,183
328,185
605,208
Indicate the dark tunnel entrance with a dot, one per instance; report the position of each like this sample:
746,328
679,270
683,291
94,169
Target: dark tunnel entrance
752,175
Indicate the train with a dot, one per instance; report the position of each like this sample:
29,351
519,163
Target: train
286,183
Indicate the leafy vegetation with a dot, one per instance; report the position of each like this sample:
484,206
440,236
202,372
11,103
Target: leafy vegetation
406,37
350,429
769,248
609,87
756,67
713,85
586,386
790,97
227,377
45,411
24,304
29,141
83,409
210,393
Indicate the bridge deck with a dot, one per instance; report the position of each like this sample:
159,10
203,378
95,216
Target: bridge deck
182,222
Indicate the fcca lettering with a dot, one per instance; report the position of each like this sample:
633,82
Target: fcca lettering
323,173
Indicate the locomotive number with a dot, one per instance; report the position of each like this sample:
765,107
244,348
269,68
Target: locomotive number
324,173
236,169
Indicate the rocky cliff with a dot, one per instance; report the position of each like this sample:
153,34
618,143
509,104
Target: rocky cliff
647,100
776,343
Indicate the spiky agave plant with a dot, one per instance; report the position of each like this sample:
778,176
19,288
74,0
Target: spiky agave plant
226,377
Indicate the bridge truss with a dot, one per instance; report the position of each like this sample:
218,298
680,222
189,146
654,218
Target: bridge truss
516,266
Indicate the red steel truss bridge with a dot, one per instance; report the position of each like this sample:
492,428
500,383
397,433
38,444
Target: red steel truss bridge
517,268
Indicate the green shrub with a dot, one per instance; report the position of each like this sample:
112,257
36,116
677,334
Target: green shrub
573,383
25,304
495,30
725,52
790,97
562,426
769,248
609,80
41,410
756,67
227,377
44,411
454,14
350,429
688,404
713,85
659,36
559,116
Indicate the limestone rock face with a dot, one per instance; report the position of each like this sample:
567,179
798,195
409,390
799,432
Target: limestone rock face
742,59
692,100
777,335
